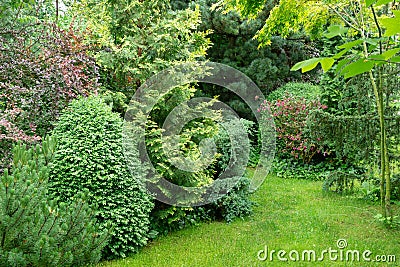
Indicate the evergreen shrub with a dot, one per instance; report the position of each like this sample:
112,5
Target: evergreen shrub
90,157
35,230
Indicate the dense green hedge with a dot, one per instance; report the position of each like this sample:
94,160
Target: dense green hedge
90,157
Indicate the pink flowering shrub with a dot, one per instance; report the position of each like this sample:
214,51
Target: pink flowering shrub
42,68
290,117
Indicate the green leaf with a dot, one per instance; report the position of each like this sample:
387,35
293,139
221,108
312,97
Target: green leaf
358,67
395,59
390,53
335,30
350,45
373,41
392,25
346,47
369,3
327,63
310,64
340,54
383,2
306,65
386,55
377,57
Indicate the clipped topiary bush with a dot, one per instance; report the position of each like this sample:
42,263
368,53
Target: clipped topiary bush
34,229
90,157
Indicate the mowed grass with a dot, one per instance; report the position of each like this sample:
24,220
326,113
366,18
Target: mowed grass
291,215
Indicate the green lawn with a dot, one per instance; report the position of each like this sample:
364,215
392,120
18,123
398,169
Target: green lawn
291,215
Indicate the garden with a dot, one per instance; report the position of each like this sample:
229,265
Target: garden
199,133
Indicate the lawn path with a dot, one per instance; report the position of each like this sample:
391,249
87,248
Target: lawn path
291,215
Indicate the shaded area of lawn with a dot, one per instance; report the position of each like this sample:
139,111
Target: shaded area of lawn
291,215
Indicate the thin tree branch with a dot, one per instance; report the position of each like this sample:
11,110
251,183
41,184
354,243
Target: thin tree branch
379,29
56,11
343,18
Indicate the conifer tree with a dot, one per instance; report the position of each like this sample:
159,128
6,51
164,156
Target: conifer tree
34,229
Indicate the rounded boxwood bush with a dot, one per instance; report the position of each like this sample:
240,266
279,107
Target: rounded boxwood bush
90,157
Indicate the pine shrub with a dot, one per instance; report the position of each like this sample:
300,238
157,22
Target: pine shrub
34,229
